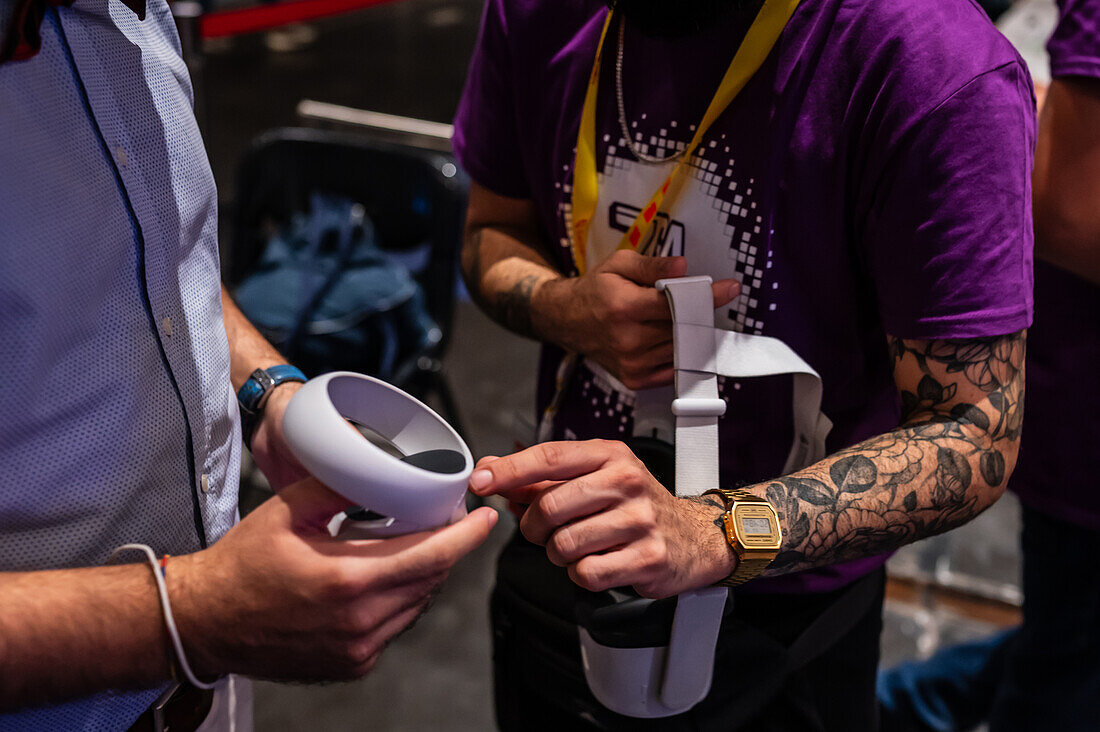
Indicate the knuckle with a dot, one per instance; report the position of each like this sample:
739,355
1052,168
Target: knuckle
339,581
553,453
630,481
651,556
564,543
590,577
504,470
618,304
528,526
351,655
587,577
366,667
642,516
549,505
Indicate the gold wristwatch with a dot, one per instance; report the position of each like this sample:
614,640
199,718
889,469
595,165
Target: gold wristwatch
752,529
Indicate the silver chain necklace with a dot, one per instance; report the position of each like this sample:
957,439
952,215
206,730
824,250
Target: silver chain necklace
634,148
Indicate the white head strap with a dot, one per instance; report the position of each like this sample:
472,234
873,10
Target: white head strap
662,681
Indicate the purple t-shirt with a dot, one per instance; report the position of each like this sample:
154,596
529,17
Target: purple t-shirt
871,178
1059,458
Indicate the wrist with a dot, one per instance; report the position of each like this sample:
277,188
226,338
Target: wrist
271,418
720,559
196,611
553,313
256,395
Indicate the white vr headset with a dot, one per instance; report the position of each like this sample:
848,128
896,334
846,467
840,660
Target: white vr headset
669,671
425,487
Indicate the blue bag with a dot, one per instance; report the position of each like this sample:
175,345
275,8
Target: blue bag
330,299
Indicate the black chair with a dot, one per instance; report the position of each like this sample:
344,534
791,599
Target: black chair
416,199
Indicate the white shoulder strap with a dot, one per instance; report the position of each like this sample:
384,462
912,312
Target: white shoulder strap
702,353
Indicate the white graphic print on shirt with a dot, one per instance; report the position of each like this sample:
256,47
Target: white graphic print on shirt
715,223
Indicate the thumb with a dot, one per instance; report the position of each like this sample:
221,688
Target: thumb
311,503
644,270
429,553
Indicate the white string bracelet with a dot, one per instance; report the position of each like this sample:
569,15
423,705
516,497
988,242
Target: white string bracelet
169,621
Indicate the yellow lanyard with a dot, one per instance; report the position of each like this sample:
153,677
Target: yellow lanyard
758,43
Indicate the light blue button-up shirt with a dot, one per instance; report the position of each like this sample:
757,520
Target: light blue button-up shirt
117,419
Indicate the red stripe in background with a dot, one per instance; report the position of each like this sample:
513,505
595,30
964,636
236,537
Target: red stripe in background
264,17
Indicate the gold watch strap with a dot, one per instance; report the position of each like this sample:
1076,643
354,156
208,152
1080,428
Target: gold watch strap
735,494
747,567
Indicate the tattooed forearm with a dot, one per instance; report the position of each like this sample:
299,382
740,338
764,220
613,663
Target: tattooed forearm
713,503
962,405
513,307
502,274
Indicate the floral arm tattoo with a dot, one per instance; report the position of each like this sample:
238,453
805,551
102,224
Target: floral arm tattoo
962,404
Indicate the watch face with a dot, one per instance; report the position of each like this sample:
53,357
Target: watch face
756,526
751,525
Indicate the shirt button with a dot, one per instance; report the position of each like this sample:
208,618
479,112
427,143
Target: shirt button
121,156
166,324
204,482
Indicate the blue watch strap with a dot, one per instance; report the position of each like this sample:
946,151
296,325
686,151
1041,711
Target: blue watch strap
252,392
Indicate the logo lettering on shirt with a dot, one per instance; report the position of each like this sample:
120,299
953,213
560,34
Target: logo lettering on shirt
669,232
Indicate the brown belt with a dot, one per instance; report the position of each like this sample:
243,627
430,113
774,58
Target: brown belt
182,709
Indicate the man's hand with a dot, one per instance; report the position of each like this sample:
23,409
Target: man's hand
269,449
279,598
601,514
614,315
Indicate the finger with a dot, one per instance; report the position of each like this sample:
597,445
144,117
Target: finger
311,504
660,376
377,641
528,493
486,460
590,535
568,502
639,337
660,355
646,305
375,604
413,557
642,269
599,572
546,461
725,291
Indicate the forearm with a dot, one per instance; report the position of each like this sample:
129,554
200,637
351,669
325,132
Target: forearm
248,350
507,275
886,492
67,633
947,462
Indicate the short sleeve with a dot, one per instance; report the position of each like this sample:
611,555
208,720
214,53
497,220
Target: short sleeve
486,139
1074,47
947,236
